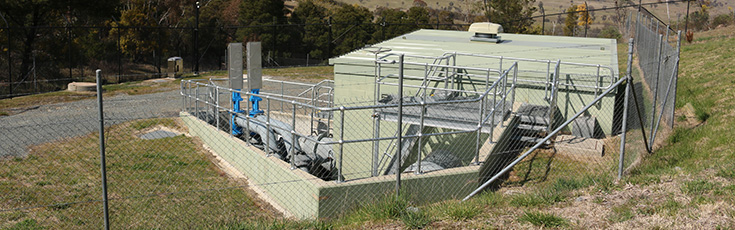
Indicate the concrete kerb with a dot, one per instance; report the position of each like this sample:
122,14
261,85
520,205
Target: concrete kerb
310,197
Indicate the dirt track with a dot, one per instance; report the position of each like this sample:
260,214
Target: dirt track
53,122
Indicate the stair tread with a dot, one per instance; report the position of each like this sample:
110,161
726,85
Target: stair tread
528,119
530,139
533,127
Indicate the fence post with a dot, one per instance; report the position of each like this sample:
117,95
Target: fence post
68,54
543,23
400,125
10,63
686,23
35,77
196,40
587,15
275,35
329,37
624,129
340,176
382,29
293,135
678,53
216,105
119,54
103,166
421,133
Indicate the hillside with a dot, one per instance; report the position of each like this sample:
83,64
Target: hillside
667,12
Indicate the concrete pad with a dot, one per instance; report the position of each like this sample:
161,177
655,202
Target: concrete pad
579,146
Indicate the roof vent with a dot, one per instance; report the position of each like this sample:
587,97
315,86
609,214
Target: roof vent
486,32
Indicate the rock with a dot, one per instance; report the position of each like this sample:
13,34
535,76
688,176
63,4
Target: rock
688,111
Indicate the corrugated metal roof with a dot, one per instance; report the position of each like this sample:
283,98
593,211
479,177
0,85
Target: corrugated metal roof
437,42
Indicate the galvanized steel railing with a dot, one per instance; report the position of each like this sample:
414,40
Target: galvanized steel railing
192,96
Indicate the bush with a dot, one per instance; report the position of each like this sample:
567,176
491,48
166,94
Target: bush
722,19
611,32
699,20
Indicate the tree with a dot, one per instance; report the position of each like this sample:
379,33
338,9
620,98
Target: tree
30,15
315,39
258,18
393,22
137,42
419,16
352,27
213,17
570,22
441,18
584,19
513,15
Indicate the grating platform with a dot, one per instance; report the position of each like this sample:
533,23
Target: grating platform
458,116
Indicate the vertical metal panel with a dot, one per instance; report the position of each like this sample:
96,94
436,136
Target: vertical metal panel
255,66
234,65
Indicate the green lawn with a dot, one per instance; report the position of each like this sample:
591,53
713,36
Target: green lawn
152,183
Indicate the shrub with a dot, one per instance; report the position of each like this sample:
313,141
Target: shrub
611,32
722,19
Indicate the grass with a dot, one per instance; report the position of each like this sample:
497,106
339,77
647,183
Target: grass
388,207
303,74
461,211
697,187
543,219
621,213
152,184
705,81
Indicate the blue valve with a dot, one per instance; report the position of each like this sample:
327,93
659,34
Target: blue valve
256,103
236,99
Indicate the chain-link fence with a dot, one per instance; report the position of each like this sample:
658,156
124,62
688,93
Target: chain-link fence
653,90
64,54
309,154
656,71
657,47
192,158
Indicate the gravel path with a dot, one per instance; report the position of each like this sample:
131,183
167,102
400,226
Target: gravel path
53,122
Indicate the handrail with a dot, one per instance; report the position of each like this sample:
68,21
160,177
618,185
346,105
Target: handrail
548,136
554,95
489,116
501,58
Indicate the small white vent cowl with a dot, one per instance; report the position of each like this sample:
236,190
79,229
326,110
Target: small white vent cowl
486,32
